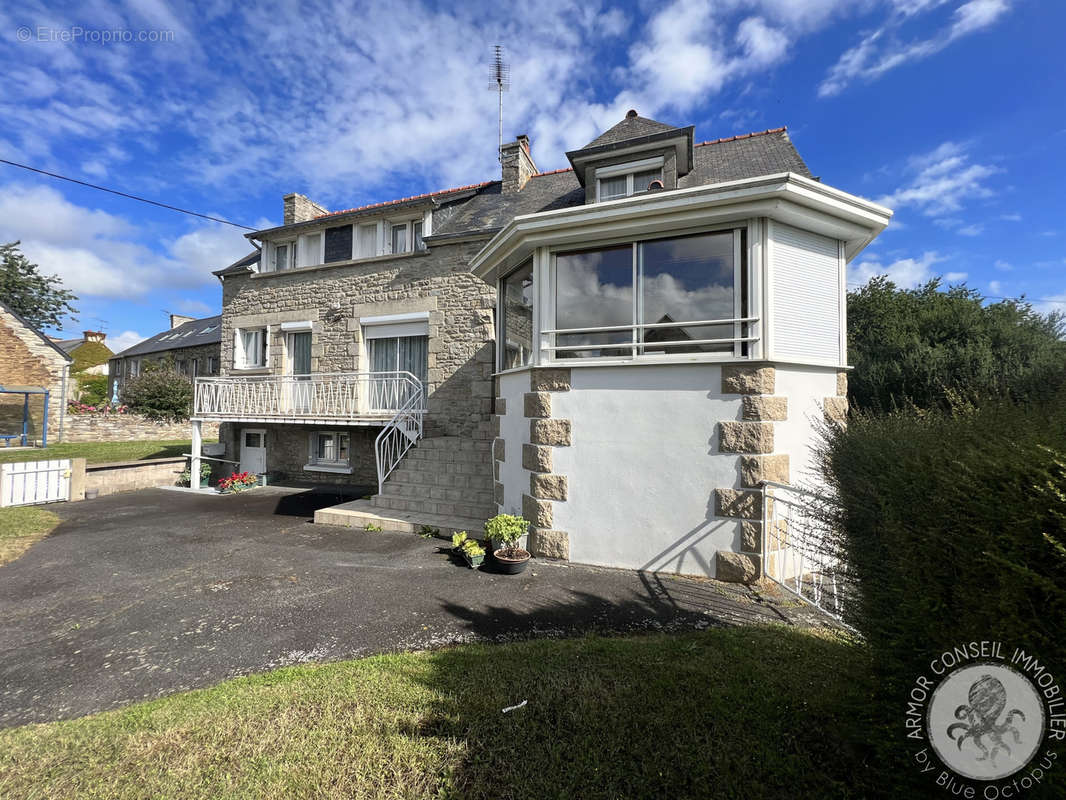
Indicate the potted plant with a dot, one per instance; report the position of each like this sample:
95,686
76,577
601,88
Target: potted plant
237,482
459,538
205,475
473,553
504,531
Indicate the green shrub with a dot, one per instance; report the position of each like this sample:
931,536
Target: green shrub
93,389
952,524
924,346
159,394
90,354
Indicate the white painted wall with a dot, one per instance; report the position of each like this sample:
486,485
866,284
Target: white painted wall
806,389
514,429
643,467
807,295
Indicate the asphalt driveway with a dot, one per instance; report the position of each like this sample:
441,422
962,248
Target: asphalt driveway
143,594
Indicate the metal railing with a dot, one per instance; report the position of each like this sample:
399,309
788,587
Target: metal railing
798,548
334,396
398,436
640,343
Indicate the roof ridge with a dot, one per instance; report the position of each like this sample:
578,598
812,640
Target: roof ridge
480,185
551,172
782,129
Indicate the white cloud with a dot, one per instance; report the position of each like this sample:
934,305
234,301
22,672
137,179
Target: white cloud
995,287
944,179
905,272
196,308
1011,217
955,277
121,341
1003,266
883,49
971,230
1050,304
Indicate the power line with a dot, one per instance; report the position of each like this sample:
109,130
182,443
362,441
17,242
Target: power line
123,194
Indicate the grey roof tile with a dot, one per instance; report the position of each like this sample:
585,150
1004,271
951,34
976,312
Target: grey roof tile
630,128
190,334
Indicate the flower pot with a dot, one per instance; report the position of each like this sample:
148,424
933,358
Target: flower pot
508,565
204,482
474,561
262,479
92,494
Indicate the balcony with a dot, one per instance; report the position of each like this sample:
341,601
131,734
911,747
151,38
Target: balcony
359,398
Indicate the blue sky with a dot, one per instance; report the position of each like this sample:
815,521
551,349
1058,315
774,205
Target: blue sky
949,111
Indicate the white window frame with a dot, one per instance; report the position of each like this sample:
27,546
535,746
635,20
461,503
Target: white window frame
270,264
545,298
336,465
628,169
240,357
408,224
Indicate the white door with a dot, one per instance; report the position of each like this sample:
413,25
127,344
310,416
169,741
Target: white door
253,450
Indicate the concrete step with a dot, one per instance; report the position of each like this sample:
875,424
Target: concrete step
480,496
445,507
439,456
448,480
424,472
358,513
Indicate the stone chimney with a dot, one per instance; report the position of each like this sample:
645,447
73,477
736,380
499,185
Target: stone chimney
517,162
178,319
299,208
93,336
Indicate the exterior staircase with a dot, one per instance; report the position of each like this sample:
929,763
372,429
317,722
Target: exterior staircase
444,482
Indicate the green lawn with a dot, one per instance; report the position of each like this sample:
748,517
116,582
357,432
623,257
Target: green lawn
746,712
20,527
100,452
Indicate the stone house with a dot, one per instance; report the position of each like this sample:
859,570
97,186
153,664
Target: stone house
30,365
90,353
192,346
619,351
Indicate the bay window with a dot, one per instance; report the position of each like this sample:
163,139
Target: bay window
668,296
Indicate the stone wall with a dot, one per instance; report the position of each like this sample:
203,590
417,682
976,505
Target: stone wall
289,451
118,367
27,360
127,428
127,476
335,297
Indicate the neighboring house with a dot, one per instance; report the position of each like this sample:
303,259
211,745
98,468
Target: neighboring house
190,345
90,354
619,351
31,365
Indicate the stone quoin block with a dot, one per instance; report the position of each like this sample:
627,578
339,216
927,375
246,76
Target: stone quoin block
496,422
501,406
736,567
738,379
763,408
537,512
549,380
537,404
754,469
499,449
836,409
842,383
537,457
554,432
497,493
738,503
545,486
750,536
545,543
746,437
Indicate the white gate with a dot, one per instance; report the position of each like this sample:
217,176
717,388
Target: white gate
28,483
799,553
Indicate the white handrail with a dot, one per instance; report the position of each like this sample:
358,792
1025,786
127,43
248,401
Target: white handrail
399,435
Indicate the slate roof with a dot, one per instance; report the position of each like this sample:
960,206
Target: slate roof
240,265
630,128
68,345
189,334
482,208
746,156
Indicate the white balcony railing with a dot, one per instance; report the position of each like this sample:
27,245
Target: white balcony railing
337,396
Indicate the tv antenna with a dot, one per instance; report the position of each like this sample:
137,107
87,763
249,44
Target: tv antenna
501,82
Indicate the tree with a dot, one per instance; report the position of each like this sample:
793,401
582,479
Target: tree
929,347
40,299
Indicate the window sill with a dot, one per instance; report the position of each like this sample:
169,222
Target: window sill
346,263
328,468
250,371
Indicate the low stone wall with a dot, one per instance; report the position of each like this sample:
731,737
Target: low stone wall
127,427
127,476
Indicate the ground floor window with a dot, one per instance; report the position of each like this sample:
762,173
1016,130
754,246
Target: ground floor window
330,450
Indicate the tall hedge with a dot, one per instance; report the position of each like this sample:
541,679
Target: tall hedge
159,394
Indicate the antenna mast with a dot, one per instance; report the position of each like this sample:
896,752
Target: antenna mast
501,82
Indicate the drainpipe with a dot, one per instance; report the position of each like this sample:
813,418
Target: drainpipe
63,402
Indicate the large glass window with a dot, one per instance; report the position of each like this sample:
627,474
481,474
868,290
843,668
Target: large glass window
650,298
397,354
594,289
517,310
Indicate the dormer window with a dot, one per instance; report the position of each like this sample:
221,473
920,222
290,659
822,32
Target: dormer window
283,256
626,180
406,236
310,250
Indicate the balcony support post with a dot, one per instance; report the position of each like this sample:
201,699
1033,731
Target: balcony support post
194,467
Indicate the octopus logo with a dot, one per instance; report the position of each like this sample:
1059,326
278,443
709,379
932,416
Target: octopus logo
985,721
